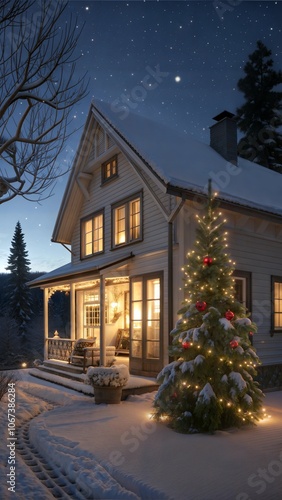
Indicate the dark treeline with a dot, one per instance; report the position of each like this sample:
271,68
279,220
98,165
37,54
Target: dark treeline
14,349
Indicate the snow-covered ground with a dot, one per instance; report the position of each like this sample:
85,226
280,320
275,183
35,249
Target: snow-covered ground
118,452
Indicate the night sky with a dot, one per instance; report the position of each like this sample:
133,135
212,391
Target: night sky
197,54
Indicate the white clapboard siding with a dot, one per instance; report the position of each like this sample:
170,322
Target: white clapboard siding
102,197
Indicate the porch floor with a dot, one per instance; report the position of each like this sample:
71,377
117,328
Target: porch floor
71,376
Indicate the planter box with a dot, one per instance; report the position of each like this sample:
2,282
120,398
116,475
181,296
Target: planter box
108,395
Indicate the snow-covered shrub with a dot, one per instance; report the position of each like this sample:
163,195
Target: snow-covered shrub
113,376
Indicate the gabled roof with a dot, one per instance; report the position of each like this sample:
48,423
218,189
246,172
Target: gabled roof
185,164
179,164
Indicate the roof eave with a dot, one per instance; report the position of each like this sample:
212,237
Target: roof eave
225,204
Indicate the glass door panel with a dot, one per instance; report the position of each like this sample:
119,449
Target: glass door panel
136,319
146,324
153,308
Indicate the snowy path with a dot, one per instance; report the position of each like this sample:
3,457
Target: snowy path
56,483
51,467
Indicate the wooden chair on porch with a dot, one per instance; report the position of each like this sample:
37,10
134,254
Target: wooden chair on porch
85,353
122,341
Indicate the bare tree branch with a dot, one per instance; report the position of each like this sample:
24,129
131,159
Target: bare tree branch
39,88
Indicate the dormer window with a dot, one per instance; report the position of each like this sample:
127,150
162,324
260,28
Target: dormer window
109,169
92,235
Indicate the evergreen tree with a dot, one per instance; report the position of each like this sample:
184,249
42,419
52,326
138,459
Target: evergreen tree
260,117
210,384
19,296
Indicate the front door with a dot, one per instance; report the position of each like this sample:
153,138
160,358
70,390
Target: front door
146,325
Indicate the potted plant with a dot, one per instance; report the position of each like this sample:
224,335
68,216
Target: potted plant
107,382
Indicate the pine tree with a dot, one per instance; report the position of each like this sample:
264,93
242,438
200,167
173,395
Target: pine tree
210,385
18,294
260,117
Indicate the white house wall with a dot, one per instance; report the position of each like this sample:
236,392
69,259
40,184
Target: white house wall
127,183
255,246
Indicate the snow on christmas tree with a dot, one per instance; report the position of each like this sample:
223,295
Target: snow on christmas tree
210,385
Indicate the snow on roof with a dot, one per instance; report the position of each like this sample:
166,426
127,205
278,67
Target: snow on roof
184,163
76,270
57,274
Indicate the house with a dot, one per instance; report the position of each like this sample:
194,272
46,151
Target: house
128,213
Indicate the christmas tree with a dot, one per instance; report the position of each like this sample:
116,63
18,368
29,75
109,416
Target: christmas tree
210,385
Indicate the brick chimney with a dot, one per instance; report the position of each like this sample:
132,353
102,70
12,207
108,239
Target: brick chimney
223,136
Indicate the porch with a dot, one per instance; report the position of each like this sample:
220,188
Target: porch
62,373
63,349
110,304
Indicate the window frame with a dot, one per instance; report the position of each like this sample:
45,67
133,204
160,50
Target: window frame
83,222
143,336
246,277
274,279
126,203
104,178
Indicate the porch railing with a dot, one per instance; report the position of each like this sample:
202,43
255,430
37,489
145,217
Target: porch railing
60,348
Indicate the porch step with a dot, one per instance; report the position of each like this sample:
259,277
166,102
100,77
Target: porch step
136,385
63,370
60,365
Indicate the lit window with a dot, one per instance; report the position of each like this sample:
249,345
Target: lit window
92,235
109,169
92,315
276,303
127,226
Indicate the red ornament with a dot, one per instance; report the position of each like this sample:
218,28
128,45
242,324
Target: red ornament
229,315
201,306
186,345
234,344
207,260
174,395
251,333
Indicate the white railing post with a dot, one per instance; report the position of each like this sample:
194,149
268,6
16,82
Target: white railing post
72,311
46,326
102,322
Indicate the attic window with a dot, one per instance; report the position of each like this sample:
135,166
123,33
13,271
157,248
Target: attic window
109,169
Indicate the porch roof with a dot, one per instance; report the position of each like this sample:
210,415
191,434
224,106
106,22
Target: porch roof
70,272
